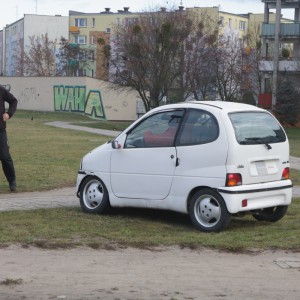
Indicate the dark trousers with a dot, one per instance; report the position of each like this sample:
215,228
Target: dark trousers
6,160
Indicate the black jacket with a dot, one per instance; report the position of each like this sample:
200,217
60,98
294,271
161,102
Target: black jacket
6,96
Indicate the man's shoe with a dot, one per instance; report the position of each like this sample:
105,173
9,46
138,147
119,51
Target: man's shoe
13,186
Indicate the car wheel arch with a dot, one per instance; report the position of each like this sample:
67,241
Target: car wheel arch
193,192
84,179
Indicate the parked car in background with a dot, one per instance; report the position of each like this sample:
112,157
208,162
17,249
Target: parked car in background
209,159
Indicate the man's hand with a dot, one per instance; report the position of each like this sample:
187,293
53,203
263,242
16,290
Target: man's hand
5,117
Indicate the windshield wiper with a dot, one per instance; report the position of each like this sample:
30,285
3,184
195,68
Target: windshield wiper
260,141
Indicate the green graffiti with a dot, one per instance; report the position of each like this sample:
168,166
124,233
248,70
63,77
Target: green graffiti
73,98
69,98
93,105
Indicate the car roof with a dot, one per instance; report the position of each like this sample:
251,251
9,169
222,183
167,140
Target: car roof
225,106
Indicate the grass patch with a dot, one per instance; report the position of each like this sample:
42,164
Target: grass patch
295,176
70,227
294,140
47,157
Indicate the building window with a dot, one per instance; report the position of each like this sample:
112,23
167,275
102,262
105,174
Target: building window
230,23
81,72
93,22
107,30
222,21
81,56
242,25
92,40
81,22
91,56
268,85
130,21
80,39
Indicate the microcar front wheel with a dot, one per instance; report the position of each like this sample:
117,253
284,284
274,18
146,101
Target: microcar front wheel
94,196
208,211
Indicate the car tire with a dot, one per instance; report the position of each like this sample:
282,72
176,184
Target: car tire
208,211
94,196
271,214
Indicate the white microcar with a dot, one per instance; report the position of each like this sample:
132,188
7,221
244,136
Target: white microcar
209,159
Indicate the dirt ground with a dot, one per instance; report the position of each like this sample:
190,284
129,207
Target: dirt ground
169,273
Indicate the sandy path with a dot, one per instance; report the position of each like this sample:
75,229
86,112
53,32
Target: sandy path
142,274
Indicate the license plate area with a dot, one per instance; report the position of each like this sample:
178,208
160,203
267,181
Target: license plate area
264,167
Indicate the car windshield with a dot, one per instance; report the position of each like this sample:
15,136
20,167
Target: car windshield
256,128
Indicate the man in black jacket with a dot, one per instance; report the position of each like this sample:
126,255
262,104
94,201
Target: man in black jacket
6,160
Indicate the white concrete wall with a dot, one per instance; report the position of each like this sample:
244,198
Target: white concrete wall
37,25
95,98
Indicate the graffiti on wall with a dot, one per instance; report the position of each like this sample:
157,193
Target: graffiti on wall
28,94
25,95
74,99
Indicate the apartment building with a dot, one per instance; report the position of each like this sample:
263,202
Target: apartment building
16,38
92,32
289,33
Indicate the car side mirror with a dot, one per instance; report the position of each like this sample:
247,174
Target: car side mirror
115,145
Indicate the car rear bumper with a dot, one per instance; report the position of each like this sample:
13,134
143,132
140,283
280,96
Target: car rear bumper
257,196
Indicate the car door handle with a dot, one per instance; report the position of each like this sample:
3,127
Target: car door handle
177,160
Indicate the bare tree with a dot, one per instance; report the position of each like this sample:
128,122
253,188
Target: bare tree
18,57
198,64
72,59
253,55
229,67
102,55
39,58
145,54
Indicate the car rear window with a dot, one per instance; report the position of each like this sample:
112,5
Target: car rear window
256,128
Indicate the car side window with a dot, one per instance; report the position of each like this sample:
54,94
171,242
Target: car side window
158,130
200,127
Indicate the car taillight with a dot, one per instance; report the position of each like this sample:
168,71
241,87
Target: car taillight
233,179
285,174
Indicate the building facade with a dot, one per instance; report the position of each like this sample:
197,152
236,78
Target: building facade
16,38
289,46
92,32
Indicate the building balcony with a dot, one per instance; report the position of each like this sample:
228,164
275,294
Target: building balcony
74,29
73,63
284,3
287,30
283,65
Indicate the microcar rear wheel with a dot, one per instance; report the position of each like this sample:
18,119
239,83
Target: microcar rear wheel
208,211
271,214
94,196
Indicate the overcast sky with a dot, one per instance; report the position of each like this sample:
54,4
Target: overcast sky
14,10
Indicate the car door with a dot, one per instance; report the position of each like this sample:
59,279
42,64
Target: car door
202,149
144,166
